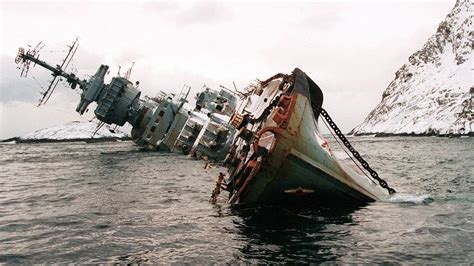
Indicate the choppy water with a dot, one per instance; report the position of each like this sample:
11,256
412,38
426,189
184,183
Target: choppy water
108,202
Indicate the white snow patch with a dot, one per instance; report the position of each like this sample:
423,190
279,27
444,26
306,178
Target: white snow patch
75,130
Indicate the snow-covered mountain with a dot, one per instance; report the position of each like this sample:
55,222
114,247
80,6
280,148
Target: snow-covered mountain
433,92
74,131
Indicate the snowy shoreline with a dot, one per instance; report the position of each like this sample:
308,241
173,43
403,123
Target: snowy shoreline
18,140
382,134
72,132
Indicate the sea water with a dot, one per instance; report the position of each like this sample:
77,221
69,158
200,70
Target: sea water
112,203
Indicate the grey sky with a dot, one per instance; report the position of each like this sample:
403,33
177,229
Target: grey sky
350,48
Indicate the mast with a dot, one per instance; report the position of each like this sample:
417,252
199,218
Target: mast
25,58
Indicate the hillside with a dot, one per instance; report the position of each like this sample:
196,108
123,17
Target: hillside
432,93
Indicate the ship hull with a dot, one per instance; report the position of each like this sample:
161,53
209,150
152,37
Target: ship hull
300,180
297,162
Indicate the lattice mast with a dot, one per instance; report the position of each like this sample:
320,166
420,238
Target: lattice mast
25,58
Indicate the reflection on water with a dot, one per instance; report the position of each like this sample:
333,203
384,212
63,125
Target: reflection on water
110,202
275,234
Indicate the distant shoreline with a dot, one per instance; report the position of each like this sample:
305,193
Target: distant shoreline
378,135
18,140
88,140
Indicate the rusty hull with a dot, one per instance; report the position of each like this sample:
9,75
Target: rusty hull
287,157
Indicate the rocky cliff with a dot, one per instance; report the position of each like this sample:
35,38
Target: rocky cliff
432,93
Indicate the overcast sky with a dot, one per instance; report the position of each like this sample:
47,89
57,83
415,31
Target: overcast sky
351,49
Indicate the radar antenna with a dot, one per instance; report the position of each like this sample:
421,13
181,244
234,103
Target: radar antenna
25,64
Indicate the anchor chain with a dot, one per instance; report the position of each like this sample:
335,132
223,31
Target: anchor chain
356,154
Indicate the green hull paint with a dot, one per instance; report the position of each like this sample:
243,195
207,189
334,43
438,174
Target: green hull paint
301,163
269,187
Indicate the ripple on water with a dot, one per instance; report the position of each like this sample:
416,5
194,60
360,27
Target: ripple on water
410,198
110,203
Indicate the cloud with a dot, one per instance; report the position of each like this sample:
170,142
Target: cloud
322,15
172,80
190,14
205,13
13,88
161,6
349,49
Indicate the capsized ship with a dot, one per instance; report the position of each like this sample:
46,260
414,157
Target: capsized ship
279,153
161,123
272,146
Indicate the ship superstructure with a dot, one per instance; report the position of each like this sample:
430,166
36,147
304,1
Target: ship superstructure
207,132
118,102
